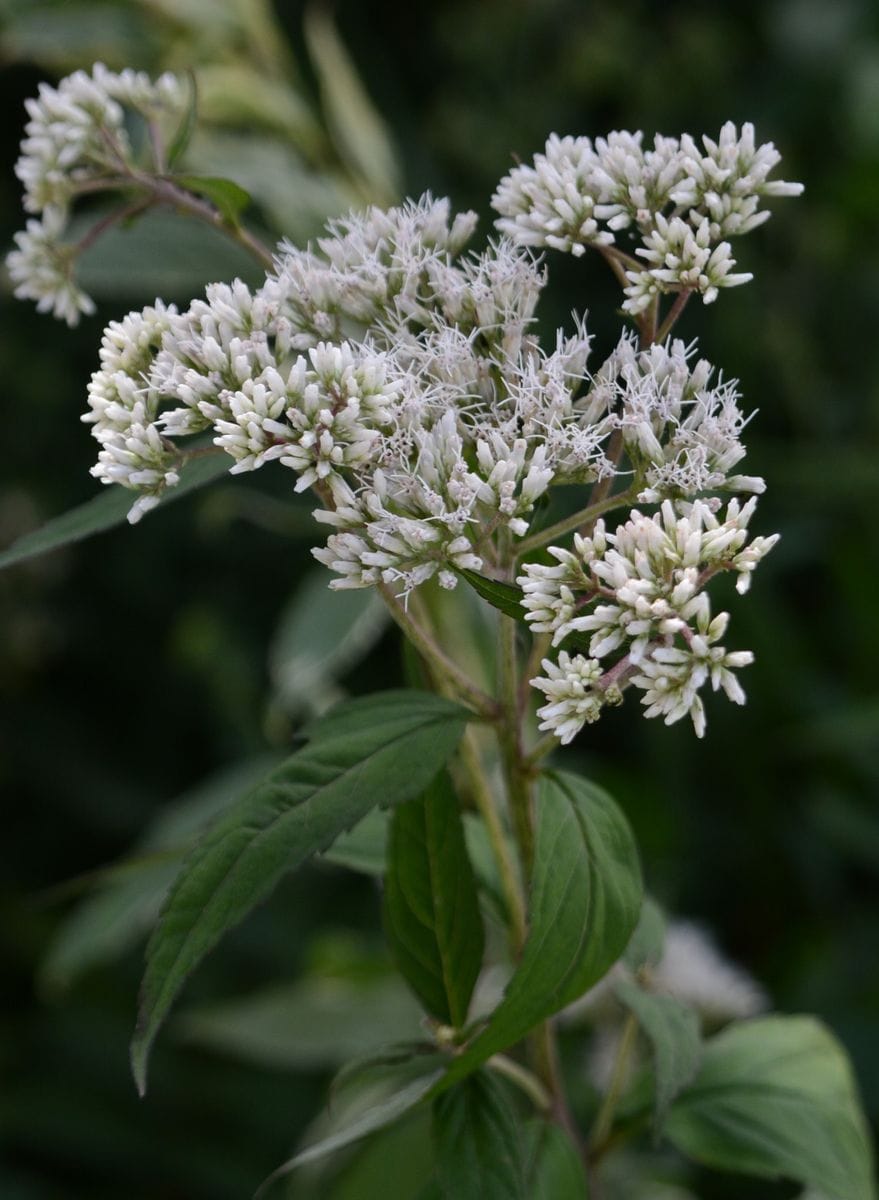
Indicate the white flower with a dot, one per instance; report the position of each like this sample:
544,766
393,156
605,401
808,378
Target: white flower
553,203
682,202
573,698
638,594
42,269
682,258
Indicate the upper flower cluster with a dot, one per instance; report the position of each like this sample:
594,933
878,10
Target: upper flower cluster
400,377
76,140
679,200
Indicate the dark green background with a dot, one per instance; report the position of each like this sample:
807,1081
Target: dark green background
132,666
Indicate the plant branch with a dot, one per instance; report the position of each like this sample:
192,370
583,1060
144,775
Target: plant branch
171,194
599,1137
673,313
486,804
440,662
523,1079
598,504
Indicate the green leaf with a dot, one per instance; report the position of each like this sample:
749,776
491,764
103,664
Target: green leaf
431,910
106,511
555,1170
776,1098
478,1142
376,1102
503,596
585,899
375,750
319,1022
648,941
228,198
164,254
673,1030
188,121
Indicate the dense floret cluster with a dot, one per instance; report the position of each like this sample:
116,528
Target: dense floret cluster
400,377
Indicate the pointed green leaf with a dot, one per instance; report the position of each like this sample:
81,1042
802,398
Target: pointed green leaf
775,1097
478,1142
228,198
585,900
504,596
370,751
672,1028
108,510
555,1170
431,910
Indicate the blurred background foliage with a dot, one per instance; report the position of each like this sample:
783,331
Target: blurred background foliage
145,674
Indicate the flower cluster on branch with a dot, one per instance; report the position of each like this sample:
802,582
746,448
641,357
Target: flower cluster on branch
400,376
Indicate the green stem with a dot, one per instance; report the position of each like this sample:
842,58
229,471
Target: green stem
546,745
547,1063
599,503
518,784
524,1079
167,192
673,313
599,1137
439,661
486,804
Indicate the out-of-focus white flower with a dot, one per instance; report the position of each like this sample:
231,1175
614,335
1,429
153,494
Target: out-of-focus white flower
692,970
41,267
75,137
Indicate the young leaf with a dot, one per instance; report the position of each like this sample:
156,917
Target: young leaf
378,750
672,1028
504,596
775,1097
555,1169
478,1143
431,909
585,899
228,198
375,1103
107,510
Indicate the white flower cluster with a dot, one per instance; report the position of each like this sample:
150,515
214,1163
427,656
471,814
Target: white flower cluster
435,422
76,138
680,200
401,378
682,435
638,595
